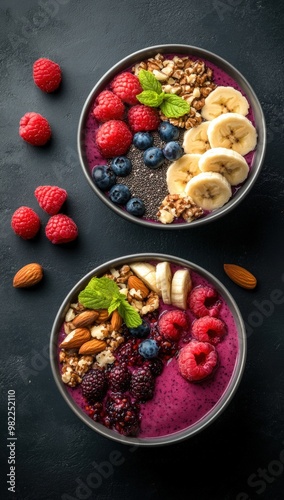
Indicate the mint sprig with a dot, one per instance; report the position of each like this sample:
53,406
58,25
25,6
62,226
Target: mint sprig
171,105
103,293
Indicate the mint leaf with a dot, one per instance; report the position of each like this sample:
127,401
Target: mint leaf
150,98
130,316
174,106
114,304
98,293
149,82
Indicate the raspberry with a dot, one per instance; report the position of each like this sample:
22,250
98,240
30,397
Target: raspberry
113,138
46,74
142,384
34,129
50,198
204,301
126,86
172,323
142,118
122,415
119,378
208,329
197,360
94,385
25,222
61,229
108,107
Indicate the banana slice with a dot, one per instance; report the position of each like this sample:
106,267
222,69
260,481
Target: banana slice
195,140
164,280
147,273
227,162
224,100
181,171
181,286
209,190
232,131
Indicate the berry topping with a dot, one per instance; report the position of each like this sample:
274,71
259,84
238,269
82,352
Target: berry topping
143,140
140,331
197,360
143,118
142,384
168,132
119,194
172,324
119,378
34,129
156,366
148,349
94,385
25,222
61,229
204,301
135,206
153,157
122,415
121,165
128,353
50,198
108,107
46,74
104,177
208,329
113,138
126,86
172,150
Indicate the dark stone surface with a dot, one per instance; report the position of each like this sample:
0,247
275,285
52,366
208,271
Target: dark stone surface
241,456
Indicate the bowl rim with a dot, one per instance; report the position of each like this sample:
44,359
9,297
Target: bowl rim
210,416
214,59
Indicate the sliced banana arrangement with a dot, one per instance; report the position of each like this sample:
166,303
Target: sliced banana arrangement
227,162
195,140
232,131
224,100
181,171
209,190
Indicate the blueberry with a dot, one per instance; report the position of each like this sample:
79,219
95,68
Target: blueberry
135,206
103,177
148,348
121,165
143,140
168,132
140,331
172,150
119,194
153,157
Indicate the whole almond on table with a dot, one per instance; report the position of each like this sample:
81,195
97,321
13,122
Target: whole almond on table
76,338
27,276
240,276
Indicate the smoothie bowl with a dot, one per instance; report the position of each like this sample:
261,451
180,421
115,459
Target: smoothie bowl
148,349
171,137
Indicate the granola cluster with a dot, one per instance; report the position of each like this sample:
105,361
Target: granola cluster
176,205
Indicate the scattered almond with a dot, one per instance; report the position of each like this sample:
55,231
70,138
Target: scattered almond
138,285
85,318
240,276
93,346
27,276
76,338
103,315
116,320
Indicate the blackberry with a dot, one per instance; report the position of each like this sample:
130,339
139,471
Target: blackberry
94,385
95,411
119,378
128,353
167,348
142,384
122,415
156,366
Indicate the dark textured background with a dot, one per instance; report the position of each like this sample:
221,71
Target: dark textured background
55,451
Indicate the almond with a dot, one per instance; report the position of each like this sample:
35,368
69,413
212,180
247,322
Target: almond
116,320
76,338
103,315
240,276
138,285
85,318
27,276
93,346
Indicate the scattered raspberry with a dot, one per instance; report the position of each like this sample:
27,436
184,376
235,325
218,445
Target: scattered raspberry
50,198
94,385
61,229
126,86
25,222
204,301
197,360
46,74
108,107
143,118
119,378
142,384
122,415
35,129
113,138
172,323
208,329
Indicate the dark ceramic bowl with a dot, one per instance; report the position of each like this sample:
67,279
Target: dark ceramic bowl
237,367
220,63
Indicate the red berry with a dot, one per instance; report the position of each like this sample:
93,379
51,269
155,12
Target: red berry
143,118
35,129
197,360
25,222
61,229
208,329
50,198
108,107
113,138
172,323
126,86
204,301
46,74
